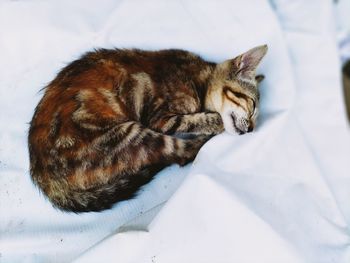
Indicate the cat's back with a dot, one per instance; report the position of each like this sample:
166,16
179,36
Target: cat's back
156,63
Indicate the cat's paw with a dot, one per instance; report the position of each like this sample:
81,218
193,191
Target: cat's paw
215,125
192,148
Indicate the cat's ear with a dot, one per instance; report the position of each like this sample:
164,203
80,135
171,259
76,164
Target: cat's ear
244,66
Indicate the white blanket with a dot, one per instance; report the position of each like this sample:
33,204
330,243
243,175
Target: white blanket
280,194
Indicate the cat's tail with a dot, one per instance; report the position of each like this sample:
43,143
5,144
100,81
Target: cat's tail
100,197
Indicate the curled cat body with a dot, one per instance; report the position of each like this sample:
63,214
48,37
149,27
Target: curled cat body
112,119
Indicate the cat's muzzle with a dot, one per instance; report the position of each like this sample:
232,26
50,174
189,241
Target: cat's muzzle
241,126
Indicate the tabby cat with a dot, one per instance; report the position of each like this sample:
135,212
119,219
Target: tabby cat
112,119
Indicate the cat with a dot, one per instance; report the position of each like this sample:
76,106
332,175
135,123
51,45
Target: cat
112,119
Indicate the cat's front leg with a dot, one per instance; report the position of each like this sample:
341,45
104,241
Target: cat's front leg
202,123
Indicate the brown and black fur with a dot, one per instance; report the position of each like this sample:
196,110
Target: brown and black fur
112,119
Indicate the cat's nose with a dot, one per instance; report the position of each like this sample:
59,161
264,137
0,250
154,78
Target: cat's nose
250,128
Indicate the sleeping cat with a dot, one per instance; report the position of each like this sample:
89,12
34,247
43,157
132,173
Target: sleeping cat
112,119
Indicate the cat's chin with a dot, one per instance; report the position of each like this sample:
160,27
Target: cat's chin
230,127
233,131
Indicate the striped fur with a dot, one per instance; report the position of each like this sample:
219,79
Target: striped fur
112,119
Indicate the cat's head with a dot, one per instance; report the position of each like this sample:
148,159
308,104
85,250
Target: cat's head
233,91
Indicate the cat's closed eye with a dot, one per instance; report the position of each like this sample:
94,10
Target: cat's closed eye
240,99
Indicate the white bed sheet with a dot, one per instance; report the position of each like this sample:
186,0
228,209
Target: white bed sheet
279,194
